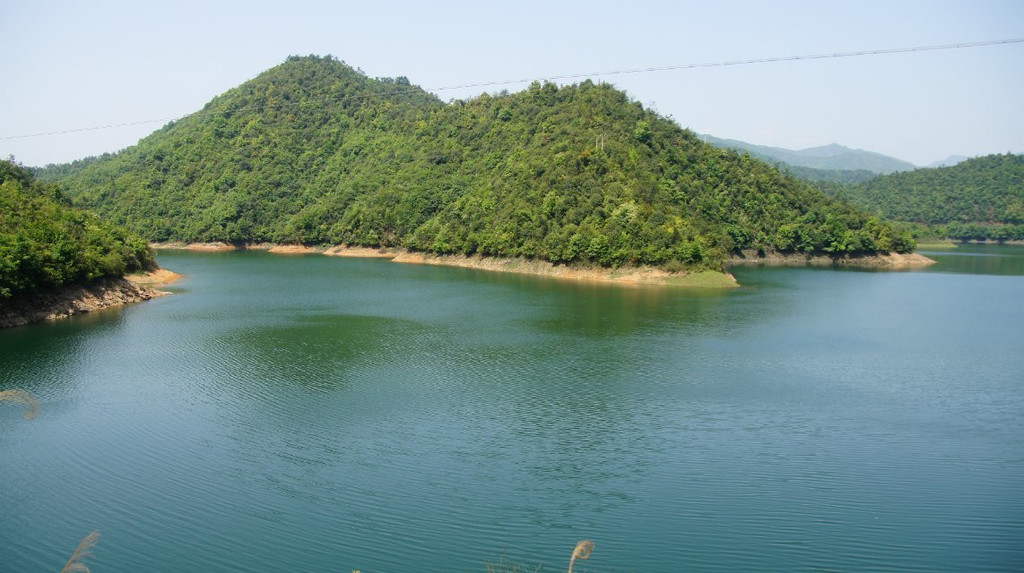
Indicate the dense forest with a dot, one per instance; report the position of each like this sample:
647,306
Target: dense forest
45,243
314,152
978,199
841,176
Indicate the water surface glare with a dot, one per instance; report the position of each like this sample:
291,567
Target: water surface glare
308,413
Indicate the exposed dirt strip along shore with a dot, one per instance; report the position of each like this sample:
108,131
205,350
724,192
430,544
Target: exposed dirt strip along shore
891,261
625,276
72,300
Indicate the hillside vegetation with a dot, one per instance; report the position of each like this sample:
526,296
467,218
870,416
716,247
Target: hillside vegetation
981,198
45,243
314,152
841,176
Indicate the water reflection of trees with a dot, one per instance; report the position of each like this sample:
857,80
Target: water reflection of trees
43,358
315,352
1006,260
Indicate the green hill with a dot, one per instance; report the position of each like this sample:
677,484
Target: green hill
841,176
981,198
45,243
314,152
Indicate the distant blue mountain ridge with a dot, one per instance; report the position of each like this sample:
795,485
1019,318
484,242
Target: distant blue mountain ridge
830,157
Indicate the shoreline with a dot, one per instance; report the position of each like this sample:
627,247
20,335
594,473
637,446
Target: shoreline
631,276
69,301
153,279
890,261
212,246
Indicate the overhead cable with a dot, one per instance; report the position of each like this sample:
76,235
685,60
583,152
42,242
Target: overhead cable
574,76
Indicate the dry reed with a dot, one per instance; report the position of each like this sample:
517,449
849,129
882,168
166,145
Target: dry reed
84,550
583,550
25,399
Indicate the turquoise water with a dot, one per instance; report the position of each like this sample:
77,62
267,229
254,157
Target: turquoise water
320,414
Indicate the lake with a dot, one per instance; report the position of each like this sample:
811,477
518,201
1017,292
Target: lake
309,413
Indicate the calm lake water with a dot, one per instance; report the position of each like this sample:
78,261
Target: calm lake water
321,414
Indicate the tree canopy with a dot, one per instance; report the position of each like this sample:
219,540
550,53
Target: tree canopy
981,198
314,152
45,243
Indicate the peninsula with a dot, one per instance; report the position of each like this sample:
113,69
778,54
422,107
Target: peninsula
56,260
313,154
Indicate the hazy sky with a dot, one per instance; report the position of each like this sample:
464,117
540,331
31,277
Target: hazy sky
70,65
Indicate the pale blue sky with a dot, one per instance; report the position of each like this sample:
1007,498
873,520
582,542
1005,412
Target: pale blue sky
72,65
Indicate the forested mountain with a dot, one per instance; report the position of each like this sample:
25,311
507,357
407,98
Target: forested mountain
841,176
833,157
45,243
977,199
314,152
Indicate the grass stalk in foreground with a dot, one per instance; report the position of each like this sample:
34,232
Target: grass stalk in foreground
84,550
582,551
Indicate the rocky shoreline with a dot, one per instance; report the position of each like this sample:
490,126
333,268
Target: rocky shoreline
623,276
632,276
71,300
889,261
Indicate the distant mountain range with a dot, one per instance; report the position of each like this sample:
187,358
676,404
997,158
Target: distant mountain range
832,157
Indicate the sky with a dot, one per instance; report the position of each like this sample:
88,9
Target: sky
71,66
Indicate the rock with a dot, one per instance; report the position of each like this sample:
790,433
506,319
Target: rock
72,300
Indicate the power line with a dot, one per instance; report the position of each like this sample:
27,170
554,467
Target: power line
573,76
749,62
94,128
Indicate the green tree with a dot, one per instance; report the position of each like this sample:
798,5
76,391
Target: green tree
45,243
